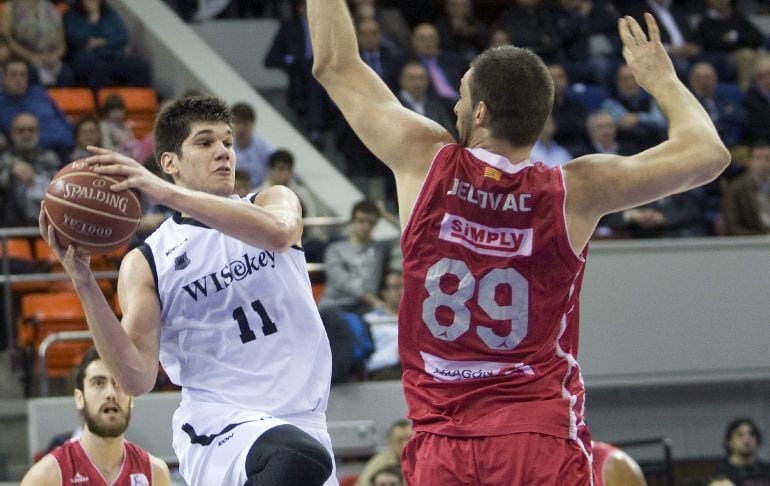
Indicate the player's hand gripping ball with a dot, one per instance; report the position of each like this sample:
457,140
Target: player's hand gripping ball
86,213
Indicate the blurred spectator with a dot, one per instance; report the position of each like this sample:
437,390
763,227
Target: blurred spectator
87,133
388,476
384,363
18,96
251,150
459,30
725,108
354,266
741,443
719,480
291,51
242,186
498,36
377,55
399,433
546,150
5,55
35,33
25,171
675,31
569,114
117,131
281,172
746,203
602,132
395,30
445,68
757,103
725,30
530,24
97,41
640,123
583,25
413,93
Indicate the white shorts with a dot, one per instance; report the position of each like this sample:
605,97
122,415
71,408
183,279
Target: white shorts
224,436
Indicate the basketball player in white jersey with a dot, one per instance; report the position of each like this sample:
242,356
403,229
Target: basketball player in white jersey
221,295
494,248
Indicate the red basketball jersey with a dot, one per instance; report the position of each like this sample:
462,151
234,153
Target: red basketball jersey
77,469
489,318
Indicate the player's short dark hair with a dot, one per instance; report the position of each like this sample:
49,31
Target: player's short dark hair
733,426
90,356
244,111
280,156
175,121
365,206
517,88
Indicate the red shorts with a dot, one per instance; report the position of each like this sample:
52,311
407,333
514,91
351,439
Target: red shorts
506,460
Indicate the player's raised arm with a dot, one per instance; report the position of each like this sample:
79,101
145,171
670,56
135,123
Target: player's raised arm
692,155
402,139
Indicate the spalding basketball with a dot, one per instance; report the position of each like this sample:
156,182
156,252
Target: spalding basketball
86,213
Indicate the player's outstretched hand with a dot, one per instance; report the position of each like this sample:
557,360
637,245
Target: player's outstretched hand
76,261
645,56
108,162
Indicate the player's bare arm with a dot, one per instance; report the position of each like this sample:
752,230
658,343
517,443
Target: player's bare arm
160,474
272,227
405,141
693,154
45,471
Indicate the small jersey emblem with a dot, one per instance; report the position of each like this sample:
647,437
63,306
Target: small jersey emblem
139,479
181,262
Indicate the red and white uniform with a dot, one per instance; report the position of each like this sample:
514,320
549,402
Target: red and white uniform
489,319
77,469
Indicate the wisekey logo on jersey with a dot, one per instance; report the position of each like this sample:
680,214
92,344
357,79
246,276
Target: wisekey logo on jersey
486,240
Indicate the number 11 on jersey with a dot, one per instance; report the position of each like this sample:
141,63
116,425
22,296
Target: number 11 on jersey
247,333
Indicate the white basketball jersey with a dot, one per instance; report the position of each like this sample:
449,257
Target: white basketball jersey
239,324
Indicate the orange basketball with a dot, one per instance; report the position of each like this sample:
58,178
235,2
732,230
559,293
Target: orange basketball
86,213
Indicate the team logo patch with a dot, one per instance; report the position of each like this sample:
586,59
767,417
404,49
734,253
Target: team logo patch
78,479
486,240
139,479
181,262
446,370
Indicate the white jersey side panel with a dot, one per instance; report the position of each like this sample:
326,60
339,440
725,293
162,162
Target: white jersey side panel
238,324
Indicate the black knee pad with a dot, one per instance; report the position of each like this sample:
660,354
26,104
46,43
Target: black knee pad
287,456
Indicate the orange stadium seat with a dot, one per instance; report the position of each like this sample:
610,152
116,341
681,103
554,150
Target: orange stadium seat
74,102
20,249
141,106
45,313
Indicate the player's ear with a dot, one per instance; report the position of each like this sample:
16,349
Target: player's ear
481,115
80,402
169,163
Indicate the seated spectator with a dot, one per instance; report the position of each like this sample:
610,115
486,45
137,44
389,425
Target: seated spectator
375,53
242,185
726,111
640,123
395,30
725,30
675,31
602,134
5,55
97,40
445,68
746,203
25,171
384,363
570,115
613,467
531,24
280,172
414,94
674,216
18,96
582,24
546,150
354,266
87,133
388,476
35,33
399,433
117,131
251,150
459,30
498,37
741,443
757,103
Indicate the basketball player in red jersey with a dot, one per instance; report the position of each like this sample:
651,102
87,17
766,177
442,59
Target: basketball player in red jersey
494,249
101,456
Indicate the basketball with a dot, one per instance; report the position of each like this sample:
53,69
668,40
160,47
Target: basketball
86,213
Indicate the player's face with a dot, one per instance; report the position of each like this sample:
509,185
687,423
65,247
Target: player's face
207,160
464,110
105,407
